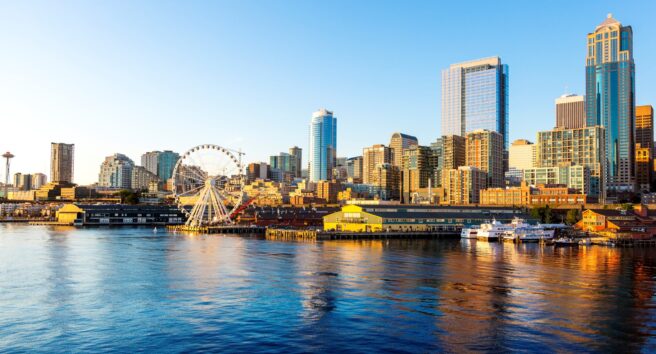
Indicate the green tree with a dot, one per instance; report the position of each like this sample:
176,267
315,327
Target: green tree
548,215
573,216
129,197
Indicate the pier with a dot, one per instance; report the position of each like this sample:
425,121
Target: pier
223,229
316,235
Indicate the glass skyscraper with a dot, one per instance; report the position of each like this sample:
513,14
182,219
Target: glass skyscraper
323,145
166,161
475,96
610,98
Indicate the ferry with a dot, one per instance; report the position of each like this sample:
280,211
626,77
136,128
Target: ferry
493,231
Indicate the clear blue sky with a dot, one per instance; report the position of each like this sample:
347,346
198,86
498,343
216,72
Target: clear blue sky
134,76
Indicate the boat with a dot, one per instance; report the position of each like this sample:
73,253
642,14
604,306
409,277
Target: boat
493,231
528,233
469,232
566,241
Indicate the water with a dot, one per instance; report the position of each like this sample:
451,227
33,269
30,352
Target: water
65,289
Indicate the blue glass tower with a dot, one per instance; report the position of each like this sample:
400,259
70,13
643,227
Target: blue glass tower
610,98
323,145
166,161
475,96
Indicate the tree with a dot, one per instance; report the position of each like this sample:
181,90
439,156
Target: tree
129,197
573,216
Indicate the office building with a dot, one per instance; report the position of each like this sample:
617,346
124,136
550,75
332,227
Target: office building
529,196
399,142
570,111
166,161
462,185
297,160
373,156
116,172
581,146
610,98
61,162
475,96
521,154
323,145
485,152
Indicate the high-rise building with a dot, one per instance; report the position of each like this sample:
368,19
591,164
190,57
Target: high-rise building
644,135
149,161
18,179
581,146
116,172
462,186
418,168
570,111
373,156
449,153
166,161
398,143
610,98
485,152
297,160
475,96
323,145
61,162
521,154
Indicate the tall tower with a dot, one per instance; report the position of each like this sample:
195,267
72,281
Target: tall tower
610,98
297,160
323,145
475,96
61,162
8,156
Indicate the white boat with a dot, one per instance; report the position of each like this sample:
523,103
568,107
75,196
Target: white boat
493,231
528,234
468,232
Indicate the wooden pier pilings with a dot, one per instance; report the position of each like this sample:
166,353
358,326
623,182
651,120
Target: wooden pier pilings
314,235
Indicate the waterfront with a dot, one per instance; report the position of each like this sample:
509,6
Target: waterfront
122,289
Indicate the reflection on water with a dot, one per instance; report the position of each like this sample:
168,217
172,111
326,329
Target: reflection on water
121,289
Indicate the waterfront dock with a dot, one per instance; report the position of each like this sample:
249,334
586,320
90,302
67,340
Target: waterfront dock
223,229
317,235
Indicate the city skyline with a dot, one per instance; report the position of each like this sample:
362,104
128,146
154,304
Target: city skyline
404,88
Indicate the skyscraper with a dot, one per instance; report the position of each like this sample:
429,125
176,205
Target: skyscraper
323,145
570,111
398,143
521,154
475,96
61,162
610,98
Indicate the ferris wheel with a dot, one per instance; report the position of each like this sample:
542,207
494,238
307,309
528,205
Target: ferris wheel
208,183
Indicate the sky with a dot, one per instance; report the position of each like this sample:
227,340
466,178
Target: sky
136,76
